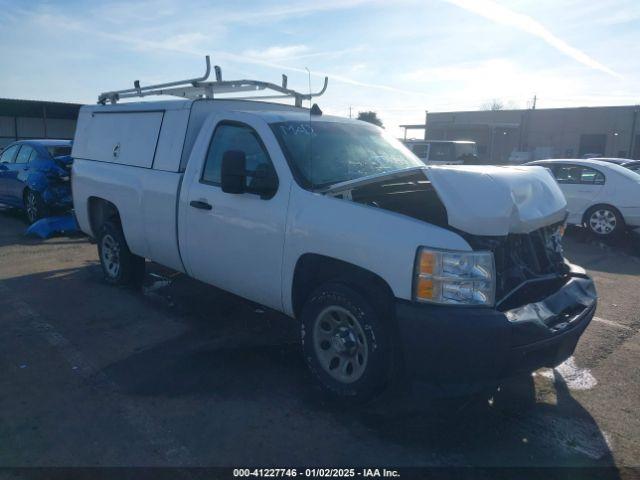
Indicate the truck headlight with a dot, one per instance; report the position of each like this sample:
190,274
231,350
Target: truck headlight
454,278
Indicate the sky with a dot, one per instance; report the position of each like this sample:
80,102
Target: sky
398,58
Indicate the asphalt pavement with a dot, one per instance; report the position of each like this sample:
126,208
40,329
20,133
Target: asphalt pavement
184,374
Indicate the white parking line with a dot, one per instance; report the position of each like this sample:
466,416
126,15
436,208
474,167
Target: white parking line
575,377
611,323
173,452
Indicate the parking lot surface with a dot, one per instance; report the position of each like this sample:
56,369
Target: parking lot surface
183,374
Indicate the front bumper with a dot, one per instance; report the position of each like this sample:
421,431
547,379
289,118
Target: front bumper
58,195
466,346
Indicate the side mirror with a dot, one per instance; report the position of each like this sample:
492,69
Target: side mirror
264,181
233,174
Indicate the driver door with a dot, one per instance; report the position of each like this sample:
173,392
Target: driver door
235,241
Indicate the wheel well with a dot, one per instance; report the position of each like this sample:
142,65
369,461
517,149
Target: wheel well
313,270
585,217
100,211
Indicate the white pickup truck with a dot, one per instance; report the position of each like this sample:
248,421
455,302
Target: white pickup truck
449,275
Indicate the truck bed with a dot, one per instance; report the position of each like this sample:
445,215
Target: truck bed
146,200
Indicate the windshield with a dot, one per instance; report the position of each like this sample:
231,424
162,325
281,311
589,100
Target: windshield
325,153
59,151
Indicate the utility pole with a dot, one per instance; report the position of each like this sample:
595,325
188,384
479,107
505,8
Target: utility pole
349,111
524,127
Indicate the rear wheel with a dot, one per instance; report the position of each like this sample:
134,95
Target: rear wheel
346,344
119,265
34,206
604,221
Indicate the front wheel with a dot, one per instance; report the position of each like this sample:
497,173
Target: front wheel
604,221
119,265
34,206
346,343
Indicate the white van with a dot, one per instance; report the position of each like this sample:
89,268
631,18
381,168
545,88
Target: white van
453,275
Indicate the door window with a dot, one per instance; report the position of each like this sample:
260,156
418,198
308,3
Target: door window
234,136
591,177
25,154
8,154
578,175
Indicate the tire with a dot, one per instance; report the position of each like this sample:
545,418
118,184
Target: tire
346,344
119,265
604,221
34,206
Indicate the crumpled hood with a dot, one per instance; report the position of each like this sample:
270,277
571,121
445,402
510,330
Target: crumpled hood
494,200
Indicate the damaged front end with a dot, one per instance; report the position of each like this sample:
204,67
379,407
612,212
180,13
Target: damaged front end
542,303
517,213
52,180
408,192
528,266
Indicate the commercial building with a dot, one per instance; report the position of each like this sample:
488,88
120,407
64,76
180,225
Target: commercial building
543,133
23,119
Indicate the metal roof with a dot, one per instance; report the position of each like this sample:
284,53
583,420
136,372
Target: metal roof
11,107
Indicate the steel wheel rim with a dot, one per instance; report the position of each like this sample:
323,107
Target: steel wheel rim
32,207
340,344
603,221
110,256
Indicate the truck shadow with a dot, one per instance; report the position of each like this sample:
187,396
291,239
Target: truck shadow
514,427
254,354
231,352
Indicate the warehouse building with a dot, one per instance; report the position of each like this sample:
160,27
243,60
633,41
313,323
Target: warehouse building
23,119
541,133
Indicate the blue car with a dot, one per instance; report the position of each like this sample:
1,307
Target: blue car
34,176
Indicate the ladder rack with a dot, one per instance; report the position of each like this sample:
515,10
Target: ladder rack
199,88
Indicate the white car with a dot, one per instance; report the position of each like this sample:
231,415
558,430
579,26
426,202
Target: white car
600,194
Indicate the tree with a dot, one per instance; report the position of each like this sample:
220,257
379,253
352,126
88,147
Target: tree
493,105
496,104
371,117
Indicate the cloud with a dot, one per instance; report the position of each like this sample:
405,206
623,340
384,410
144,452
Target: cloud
184,41
185,44
278,52
286,11
505,16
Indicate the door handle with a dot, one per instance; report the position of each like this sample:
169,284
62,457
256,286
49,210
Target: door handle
200,204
